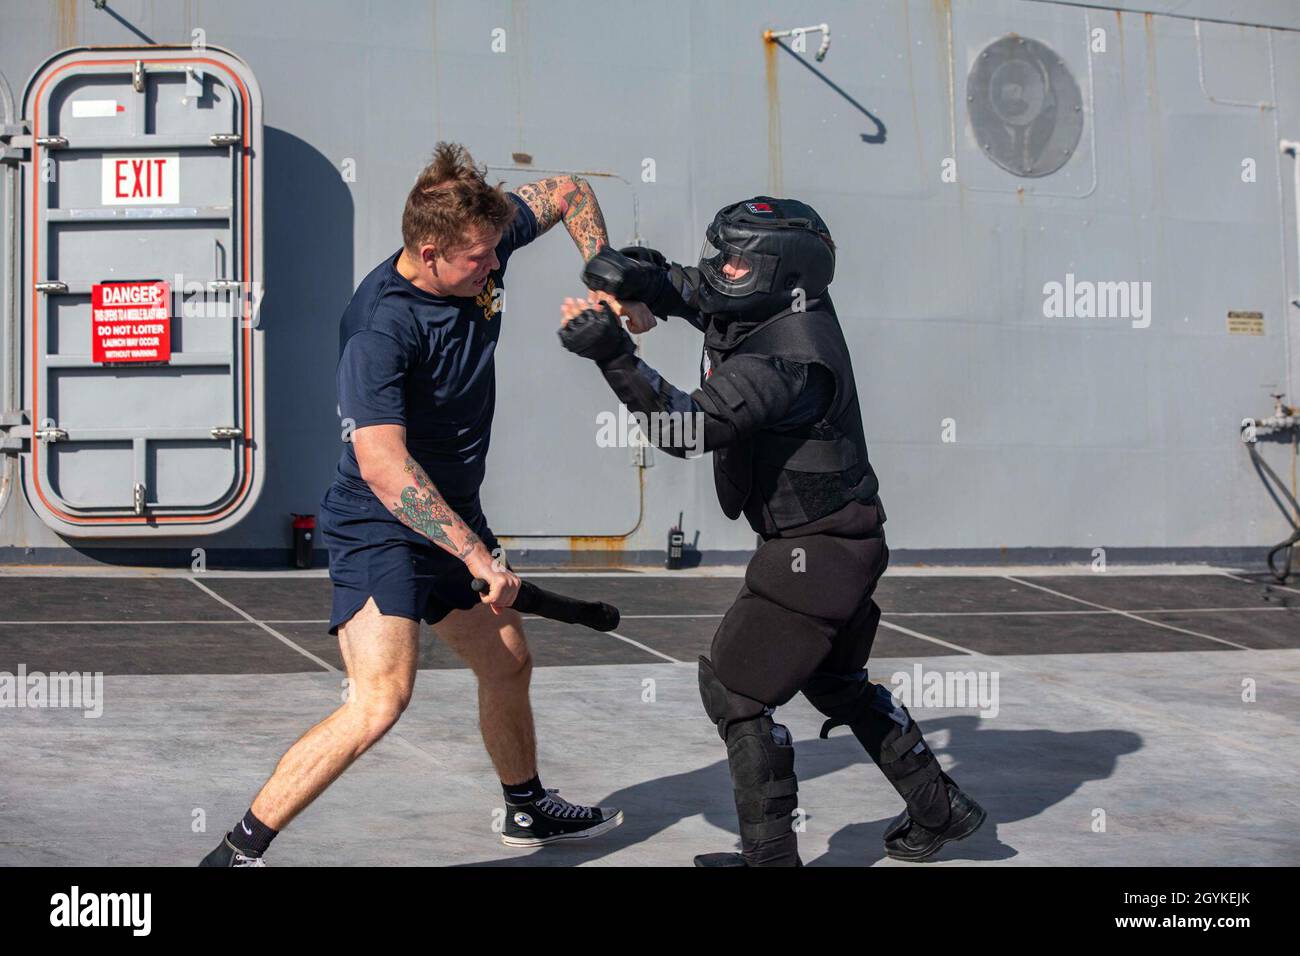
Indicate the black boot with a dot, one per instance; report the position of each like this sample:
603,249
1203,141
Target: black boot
729,859
894,742
720,859
905,839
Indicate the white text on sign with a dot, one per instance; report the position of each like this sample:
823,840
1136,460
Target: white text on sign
130,322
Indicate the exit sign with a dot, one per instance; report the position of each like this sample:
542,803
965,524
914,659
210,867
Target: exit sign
140,180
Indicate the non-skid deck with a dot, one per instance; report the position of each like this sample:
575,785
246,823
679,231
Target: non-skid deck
1129,718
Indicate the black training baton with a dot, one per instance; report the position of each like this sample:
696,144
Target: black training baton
531,599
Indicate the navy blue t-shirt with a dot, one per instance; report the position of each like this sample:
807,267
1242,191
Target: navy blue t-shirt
409,357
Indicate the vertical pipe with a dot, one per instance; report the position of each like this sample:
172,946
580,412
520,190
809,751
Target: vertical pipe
774,172
9,339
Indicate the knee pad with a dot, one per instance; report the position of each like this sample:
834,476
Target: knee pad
724,706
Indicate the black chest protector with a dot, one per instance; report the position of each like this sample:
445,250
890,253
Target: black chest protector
784,479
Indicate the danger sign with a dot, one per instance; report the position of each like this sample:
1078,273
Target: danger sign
131,322
140,180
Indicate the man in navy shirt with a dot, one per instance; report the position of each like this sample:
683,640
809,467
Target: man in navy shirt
402,520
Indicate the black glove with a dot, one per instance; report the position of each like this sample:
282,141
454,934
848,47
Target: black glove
596,334
635,274
645,254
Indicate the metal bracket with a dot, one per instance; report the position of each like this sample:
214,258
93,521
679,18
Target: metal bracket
194,78
226,139
14,143
52,287
14,431
771,36
222,432
51,434
137,76
137,496
52,142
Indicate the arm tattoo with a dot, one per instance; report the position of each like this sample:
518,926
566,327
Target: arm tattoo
584,220
582,217
423,509
540,198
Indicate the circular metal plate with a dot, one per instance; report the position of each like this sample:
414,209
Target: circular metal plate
1024,106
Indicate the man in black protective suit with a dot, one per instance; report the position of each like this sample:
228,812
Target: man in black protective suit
779,411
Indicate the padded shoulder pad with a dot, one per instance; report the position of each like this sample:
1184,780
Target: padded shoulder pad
750,392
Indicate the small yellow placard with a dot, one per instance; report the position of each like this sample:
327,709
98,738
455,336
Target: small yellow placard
1245,323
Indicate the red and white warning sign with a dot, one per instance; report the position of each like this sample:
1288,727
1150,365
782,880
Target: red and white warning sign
140,180
131,322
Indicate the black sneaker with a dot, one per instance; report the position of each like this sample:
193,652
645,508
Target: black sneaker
227,854
552,818
905,839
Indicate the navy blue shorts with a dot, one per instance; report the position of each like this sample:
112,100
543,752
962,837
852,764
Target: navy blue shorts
374,554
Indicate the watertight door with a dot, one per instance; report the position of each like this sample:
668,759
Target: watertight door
141,282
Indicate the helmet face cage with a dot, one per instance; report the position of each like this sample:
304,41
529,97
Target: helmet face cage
750,271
